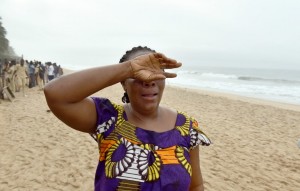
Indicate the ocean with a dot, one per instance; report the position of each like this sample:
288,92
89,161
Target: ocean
280,85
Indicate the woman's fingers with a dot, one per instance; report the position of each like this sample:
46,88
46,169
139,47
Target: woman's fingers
156,77
165,62
169,75
150,67
170,65
159,55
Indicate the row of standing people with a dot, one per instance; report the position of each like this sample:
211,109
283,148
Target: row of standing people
18,75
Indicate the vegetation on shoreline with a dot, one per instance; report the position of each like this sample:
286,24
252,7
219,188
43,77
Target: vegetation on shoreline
6,51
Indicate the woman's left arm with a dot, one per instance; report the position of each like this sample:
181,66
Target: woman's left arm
197,181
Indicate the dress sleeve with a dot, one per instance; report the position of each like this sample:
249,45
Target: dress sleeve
106,117
197,136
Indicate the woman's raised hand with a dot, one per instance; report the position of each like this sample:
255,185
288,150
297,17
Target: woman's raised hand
150,67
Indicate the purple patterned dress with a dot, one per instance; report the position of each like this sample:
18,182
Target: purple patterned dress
132,158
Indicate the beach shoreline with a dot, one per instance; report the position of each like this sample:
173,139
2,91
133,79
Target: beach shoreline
253,100
254,142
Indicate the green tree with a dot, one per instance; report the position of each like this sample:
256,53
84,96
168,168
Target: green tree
5,50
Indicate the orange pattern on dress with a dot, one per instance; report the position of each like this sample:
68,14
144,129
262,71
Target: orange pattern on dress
104,146
194,123
167,155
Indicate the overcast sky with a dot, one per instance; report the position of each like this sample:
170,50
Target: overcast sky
243,33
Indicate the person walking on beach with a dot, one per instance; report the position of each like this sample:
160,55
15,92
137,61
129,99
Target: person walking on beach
142,144
21,76
46,80
40,75
12,76
50,71
32,79
55,70
5,71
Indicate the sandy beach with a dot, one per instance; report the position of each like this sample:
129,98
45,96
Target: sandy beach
254,143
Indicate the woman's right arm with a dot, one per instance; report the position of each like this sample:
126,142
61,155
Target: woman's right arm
67,96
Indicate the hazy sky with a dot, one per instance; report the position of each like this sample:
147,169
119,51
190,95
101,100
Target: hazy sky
244,33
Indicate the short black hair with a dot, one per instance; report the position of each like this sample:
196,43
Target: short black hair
126,56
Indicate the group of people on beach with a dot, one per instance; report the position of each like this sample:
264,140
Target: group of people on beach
20,74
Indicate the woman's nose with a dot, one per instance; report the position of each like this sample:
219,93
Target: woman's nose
148,84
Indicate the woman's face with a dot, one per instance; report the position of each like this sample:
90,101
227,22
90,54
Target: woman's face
144,95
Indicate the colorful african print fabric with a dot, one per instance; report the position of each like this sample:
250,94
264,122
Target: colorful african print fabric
133,159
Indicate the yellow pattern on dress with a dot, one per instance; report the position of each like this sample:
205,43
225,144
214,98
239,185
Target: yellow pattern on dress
127,131
181,158
184,129
153,172
129,185
109,164
120,111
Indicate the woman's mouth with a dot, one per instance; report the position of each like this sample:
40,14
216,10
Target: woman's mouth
149,96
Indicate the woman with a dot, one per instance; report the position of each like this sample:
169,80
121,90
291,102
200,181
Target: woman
142,145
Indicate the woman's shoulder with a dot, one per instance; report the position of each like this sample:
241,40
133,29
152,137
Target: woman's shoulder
105,104
179,114
102,101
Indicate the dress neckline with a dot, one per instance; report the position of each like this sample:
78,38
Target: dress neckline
124,116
